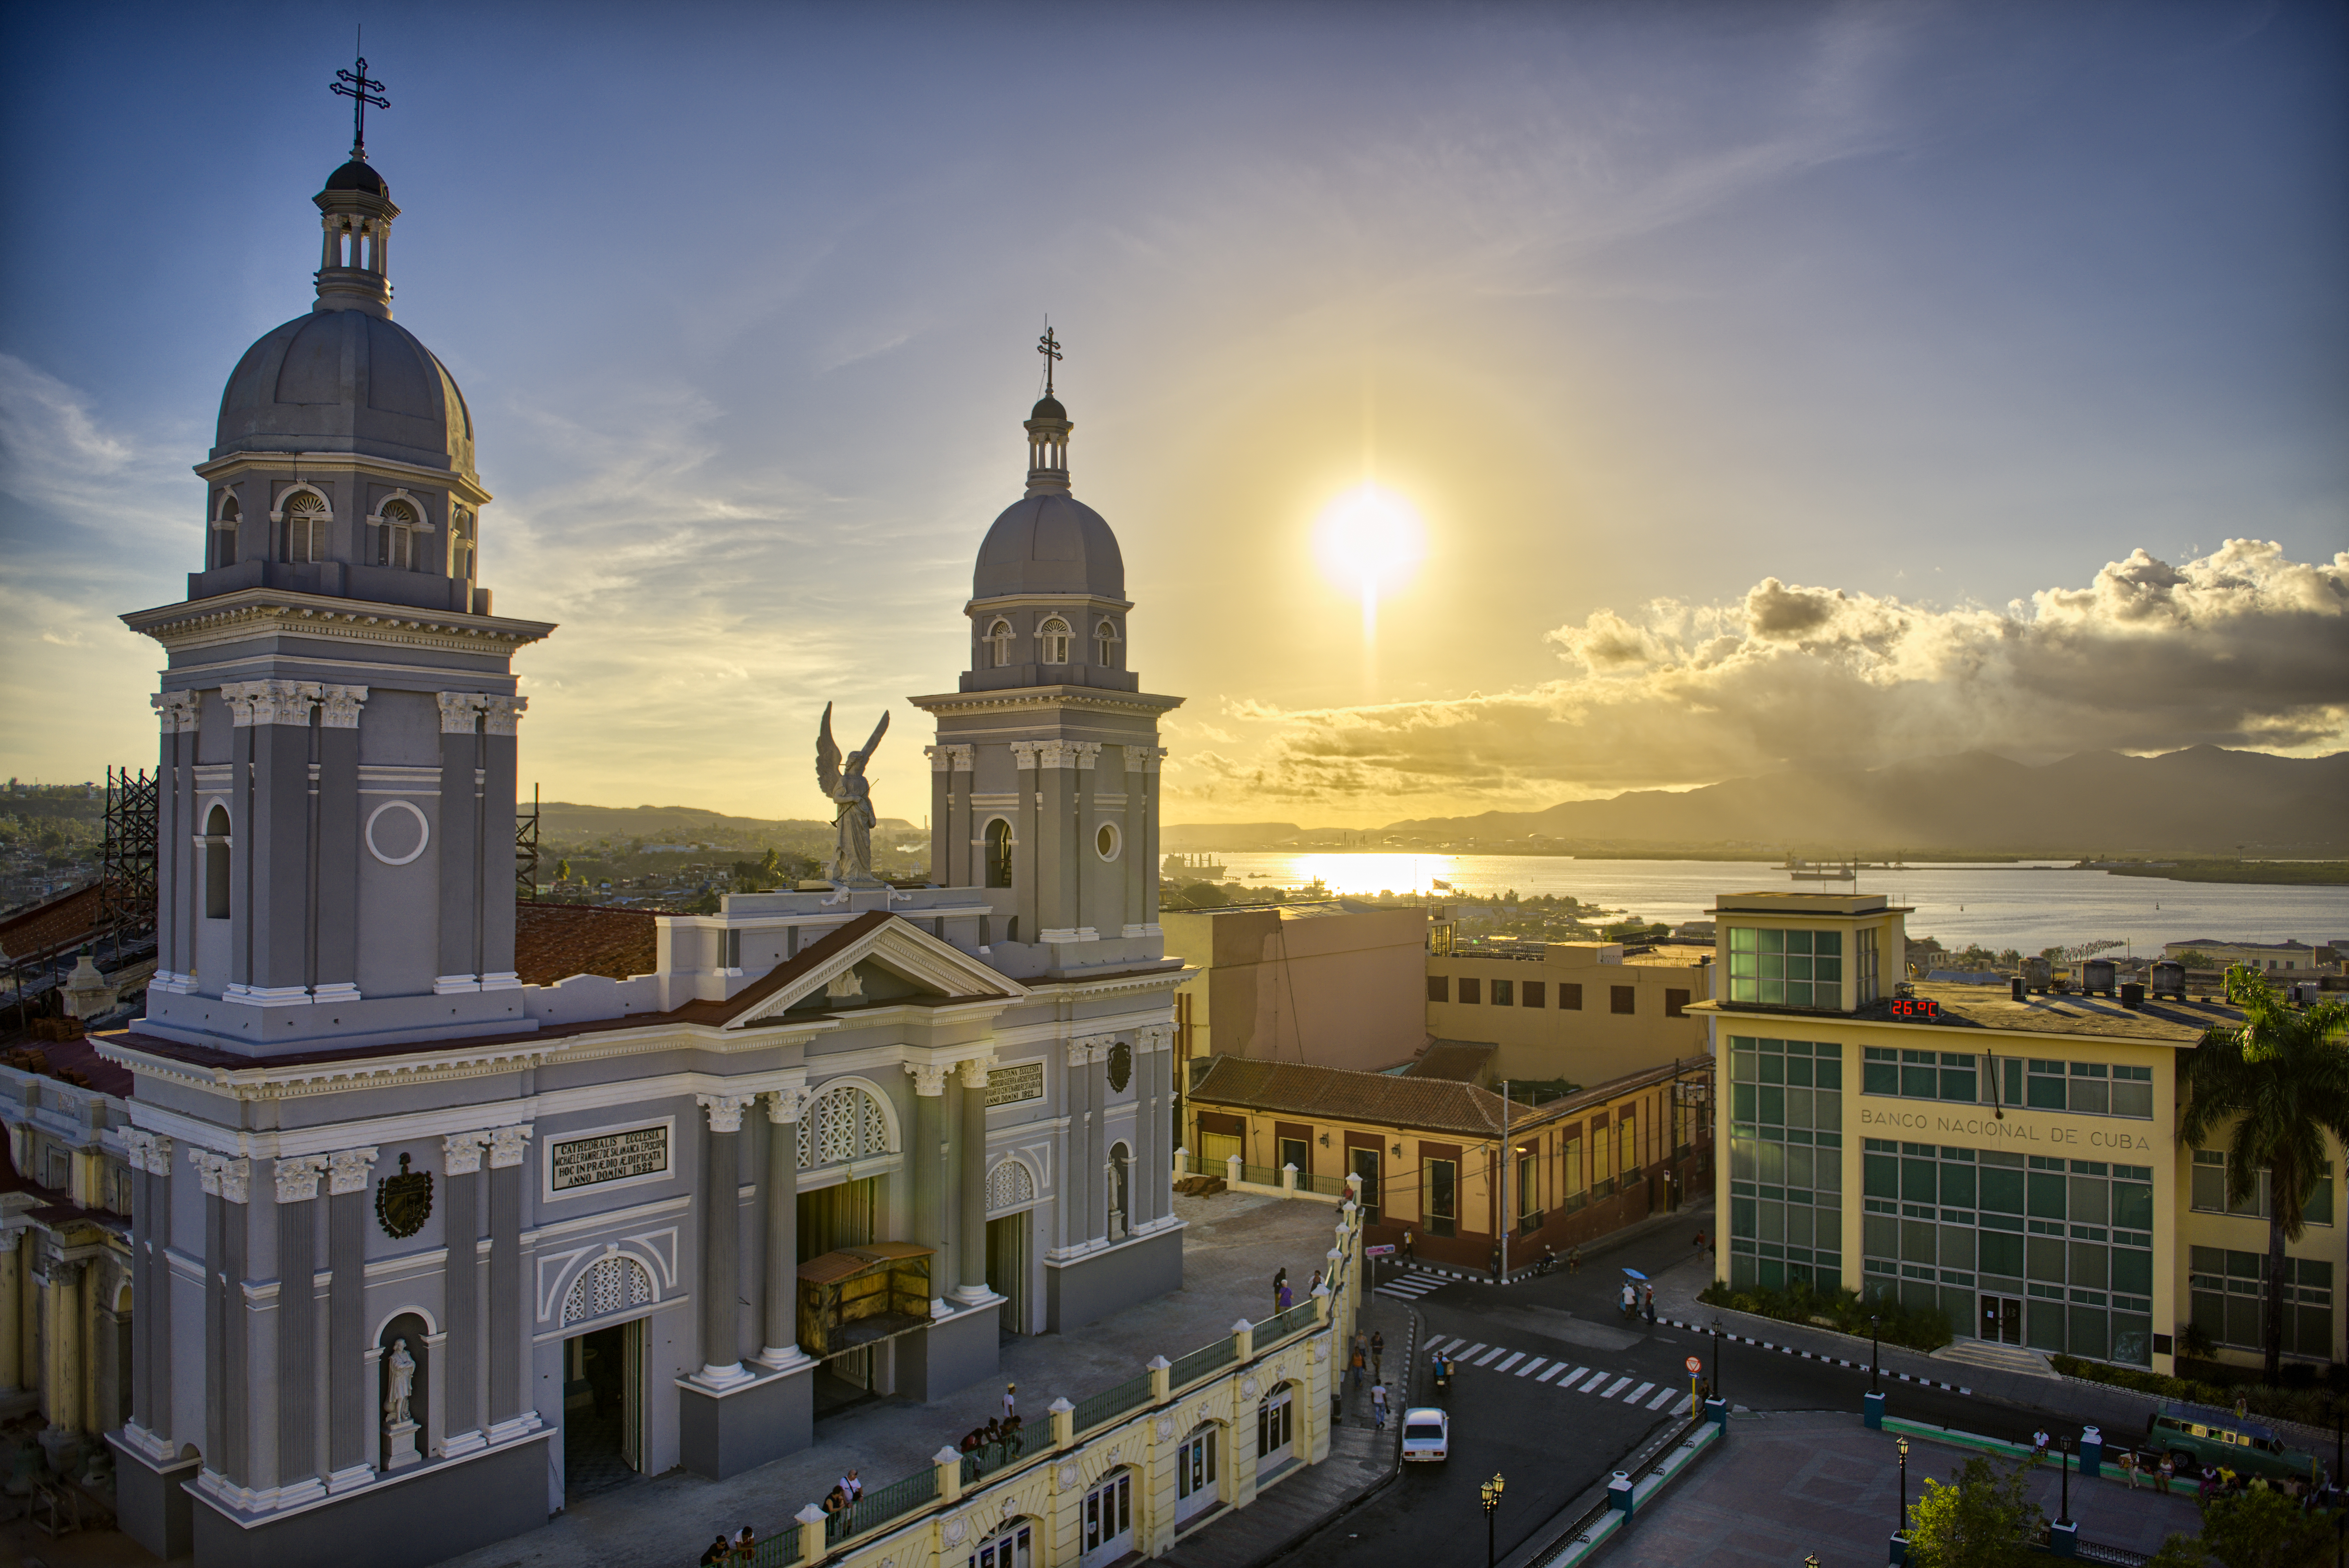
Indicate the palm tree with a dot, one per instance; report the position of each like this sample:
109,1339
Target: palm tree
2282,1078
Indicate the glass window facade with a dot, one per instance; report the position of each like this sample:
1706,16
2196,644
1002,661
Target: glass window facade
1789,968
2083,1088
1785,1164
2229,1300
2062,1249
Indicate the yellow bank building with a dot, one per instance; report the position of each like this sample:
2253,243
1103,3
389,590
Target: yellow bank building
2011,1162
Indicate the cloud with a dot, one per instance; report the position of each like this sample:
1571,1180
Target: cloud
2241,648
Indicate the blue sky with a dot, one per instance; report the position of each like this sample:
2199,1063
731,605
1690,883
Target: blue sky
1663,316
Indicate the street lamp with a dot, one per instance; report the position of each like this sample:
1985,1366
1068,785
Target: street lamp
1871,1354
1490,1495
1902,1524
2063,1461
1716,1358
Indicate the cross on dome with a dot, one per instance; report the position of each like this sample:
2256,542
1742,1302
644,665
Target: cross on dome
355,86
1048,345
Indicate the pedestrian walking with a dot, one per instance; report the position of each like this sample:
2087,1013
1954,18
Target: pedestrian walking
2168,1473
1574,1259
1360,1360
1010,1403
1378,1406
1378,1352
1628,1304
1406,1247
1496,1260
2128,1469
1699,1241
1651,1304
1282,1299
2039,1446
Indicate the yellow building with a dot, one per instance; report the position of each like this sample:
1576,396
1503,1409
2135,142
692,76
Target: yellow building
1582,1011
2012,1163
1430,1151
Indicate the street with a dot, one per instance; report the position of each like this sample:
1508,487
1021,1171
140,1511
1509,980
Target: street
1554,1388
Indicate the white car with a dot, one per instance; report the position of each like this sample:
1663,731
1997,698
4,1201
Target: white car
1426,1434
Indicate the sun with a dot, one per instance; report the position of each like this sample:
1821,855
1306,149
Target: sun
1370,540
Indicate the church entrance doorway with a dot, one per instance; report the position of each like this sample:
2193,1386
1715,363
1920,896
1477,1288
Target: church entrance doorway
602,1409
1007,1269
837,1217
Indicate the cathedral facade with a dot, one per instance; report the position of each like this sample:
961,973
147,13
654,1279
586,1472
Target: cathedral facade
404,1222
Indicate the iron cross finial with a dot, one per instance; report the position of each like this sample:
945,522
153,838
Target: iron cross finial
1050,347
355,85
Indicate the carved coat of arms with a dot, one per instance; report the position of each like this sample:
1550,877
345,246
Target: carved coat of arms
1120,1067
403,1202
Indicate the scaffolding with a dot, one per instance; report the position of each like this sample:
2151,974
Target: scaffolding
127,876
526,851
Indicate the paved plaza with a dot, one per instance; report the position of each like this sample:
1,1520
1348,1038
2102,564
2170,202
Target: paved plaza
1790,1484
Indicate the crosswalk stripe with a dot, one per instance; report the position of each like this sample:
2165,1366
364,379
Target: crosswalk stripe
1470,1351
1444,1346
1614,1387
1555,1369
1528,1366
1666,1397
1514,1357
1596,1379
1489,1354
1638,1394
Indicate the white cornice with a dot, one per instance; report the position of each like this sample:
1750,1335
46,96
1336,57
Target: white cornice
905,949
467,485
247,612
1038,699
1008,601
263,1081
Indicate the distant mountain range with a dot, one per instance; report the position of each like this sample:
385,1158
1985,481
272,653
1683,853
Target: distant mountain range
2095,804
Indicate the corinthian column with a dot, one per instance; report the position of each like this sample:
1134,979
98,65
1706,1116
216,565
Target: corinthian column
722,1249
779,1192
970,1243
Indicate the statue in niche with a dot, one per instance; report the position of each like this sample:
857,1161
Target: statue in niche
400,1384
844,784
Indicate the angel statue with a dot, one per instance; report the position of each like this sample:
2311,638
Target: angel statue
852,858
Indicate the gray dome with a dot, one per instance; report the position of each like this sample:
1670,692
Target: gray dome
1050,543
347,381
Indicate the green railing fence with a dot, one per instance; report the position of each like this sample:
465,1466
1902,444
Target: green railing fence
1110,1403
883,1504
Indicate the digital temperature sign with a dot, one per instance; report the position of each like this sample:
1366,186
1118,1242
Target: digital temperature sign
1915,1008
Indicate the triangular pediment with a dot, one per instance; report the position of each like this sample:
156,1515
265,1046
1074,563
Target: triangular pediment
874,958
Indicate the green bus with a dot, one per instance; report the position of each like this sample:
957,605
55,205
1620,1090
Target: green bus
2197,1435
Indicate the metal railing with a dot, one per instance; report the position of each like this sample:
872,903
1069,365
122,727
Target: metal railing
1281,1325
1200,1363
989,1459
1327,1186
776,1551
1262,1175
881,1504
1110,1403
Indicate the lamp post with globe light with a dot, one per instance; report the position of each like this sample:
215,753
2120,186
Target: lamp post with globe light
1489,1495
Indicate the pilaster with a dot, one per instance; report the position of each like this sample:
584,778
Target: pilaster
970,1239
461,838
336,973
500,767
176,825
1027,862
297,1314
780,1194
351,1447
508,1318
928,1156
457,1402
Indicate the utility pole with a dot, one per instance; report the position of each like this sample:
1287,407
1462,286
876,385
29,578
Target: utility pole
1507,1160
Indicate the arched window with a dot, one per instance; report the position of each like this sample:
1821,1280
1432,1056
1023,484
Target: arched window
999,853
1106,646
216,883
223,532
1010,1185
302,528
396,539
999,643
461,552
610,1285
1120,1160
843,1123
1054,634
1276,1426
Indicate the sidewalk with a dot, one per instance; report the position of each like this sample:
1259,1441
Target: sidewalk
1786,1484
2122,1412
1362,1459
1234,1243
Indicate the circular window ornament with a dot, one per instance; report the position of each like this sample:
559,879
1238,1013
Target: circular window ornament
402,838
1106,842
1120,1067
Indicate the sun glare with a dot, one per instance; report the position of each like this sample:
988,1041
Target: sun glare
1370,540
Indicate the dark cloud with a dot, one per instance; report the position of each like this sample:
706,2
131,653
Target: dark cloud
2242,647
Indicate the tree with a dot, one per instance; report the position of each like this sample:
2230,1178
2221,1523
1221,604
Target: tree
2195,958
1982,1520
2178,1551
2282,1080
563,871
2261,1528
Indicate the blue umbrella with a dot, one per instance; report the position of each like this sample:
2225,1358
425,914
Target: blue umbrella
1635,1274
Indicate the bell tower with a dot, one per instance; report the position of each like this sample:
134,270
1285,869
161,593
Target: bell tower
339,711
1044,782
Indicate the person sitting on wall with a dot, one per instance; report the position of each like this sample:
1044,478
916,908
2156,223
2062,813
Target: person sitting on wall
834,1500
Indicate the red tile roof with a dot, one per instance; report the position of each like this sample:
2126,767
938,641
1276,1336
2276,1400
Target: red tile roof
555,940
66,919
1345,1095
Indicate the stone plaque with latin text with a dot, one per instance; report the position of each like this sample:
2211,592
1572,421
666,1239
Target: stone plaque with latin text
1008,1086
609,1157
